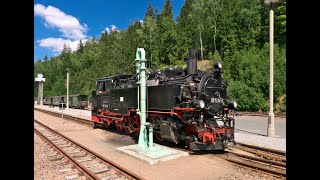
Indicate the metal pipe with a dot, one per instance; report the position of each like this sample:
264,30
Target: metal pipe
150,136
68,90
138,79
143,131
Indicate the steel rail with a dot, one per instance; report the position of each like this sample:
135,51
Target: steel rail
259,159
79,166
281,173
125,171
77,119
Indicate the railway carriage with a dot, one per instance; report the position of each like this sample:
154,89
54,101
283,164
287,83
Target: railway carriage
79,101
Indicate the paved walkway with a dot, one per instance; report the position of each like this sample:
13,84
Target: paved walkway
261,141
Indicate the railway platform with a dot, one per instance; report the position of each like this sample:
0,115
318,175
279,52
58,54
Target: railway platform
274,143
243,136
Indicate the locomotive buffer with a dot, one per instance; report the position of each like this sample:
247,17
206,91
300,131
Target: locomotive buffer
144,150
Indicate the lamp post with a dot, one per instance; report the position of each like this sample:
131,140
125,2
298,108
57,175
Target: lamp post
271,129
67,88
40,80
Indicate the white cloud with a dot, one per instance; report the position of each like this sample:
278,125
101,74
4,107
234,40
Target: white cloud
67,24
56,44
113,28
107,29
141,21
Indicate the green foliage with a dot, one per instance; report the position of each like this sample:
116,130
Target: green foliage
149,11
216,56
249,69
280,22
166,40
247,97
234,32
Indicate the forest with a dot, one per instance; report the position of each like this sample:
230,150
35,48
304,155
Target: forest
234,32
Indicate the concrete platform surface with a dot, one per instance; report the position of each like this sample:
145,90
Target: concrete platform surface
85,114
261,141
259,125
157,154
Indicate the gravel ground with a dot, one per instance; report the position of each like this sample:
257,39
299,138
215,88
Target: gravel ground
43,167
203,166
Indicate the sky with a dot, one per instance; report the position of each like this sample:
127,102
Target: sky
57,22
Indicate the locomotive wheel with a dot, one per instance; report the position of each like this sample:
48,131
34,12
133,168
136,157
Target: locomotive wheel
158,137
136,133
119,127
106,125
95,125
188,141
130,121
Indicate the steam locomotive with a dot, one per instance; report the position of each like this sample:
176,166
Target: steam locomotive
183,105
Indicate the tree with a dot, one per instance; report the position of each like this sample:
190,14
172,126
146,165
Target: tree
80,47
198,15
45,59
66,49
185,29
149,12
167,37
280,22
149,27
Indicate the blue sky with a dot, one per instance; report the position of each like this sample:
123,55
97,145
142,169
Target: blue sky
67,21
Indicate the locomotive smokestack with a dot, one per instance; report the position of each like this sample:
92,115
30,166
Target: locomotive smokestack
191,62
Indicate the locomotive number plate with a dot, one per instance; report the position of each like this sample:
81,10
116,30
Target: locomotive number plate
216,100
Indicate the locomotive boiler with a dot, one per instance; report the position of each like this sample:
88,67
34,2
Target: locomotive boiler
183,105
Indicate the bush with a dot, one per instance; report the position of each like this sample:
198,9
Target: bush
248,72
246,97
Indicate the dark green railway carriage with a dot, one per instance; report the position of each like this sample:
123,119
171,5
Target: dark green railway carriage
75,101
52,100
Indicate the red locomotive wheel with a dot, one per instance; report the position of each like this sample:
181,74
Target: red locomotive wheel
106,124
119,127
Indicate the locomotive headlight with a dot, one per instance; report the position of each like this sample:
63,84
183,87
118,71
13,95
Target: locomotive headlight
232,104
201,104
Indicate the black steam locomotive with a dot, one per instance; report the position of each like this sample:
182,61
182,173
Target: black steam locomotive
183,105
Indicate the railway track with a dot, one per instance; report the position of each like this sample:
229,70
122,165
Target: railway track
77,161
267,161
264,114
69,117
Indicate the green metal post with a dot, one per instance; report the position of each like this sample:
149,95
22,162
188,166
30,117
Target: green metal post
150,136
138,78
143,141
